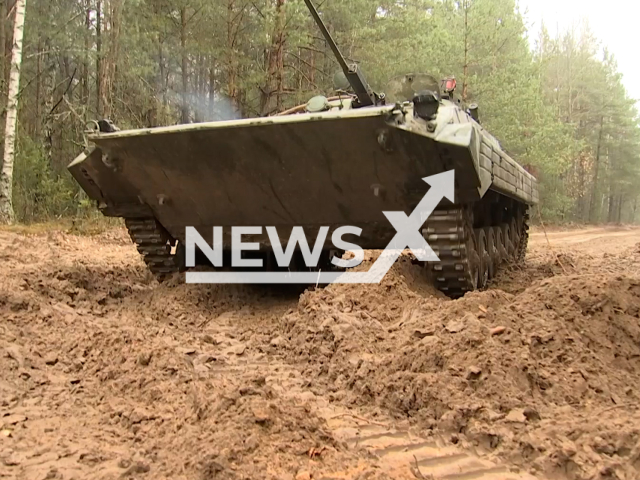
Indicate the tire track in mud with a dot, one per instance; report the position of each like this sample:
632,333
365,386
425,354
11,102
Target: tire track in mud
394,451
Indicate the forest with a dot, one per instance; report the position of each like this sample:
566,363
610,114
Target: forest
556,102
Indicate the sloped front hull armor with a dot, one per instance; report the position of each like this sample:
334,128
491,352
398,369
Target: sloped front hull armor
338,170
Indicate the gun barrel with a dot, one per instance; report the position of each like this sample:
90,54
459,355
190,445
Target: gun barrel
353,74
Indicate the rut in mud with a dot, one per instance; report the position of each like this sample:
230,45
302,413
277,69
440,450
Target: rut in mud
106,374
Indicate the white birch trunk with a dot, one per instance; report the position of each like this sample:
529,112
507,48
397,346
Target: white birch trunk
6,175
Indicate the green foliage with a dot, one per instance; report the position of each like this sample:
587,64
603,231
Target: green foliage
39,193
560,108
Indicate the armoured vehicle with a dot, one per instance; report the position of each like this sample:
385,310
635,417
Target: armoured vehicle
334,161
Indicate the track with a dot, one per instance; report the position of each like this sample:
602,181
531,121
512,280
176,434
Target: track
471,257
450,234
155,245
164,256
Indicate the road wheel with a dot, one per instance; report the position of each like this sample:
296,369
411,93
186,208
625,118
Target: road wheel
492,250
483,255
508,242
521,253
473,258
474,269
500,245
515,236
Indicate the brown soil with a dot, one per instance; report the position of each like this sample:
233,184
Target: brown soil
106,374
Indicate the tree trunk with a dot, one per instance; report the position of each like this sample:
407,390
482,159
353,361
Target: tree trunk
231,59
212,90
185,73
110,60
37,127
619,210
579,167
465,80
99,58
611,206
280,44
7,214
594,193
198,105
312,69
160,103
274,63
49,85
3,67
3,43
85,59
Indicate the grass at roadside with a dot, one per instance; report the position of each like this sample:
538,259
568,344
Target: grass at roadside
77,226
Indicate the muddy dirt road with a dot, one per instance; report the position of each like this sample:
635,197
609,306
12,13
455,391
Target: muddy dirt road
589,240
104,374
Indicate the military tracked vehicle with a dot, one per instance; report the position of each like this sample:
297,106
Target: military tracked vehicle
335,161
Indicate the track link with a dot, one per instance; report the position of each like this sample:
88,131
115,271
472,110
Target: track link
155,245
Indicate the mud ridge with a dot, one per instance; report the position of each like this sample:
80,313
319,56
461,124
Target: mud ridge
107,374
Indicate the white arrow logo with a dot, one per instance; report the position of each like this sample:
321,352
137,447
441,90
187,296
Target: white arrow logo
442,185
408,236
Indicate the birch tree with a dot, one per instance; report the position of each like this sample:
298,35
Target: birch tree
6,175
